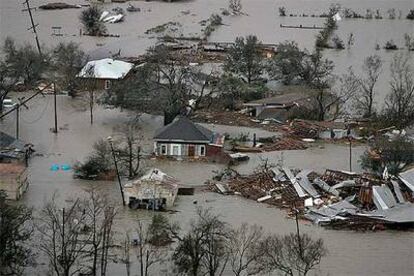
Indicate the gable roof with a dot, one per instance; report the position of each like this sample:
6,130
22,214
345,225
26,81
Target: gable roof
106,68
182,129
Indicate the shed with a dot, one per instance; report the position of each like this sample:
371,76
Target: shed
154,191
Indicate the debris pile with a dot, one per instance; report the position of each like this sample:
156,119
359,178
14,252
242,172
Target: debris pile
336,199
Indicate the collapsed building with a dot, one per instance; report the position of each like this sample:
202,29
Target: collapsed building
337,199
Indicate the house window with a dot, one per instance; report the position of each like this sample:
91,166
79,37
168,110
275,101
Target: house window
163,149
176,150
202,150
107,84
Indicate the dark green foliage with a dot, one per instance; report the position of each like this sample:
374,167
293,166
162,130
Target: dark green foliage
399,103
395,154
322,39
15,232
67,60
390,45
90,21
97,163
410,14
287,64
233,92
244,59
282,11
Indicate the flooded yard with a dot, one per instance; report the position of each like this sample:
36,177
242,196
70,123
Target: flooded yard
350,253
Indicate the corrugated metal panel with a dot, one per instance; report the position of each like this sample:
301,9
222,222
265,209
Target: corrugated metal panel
397,191
383,197
408,178
307,186
294,182
323,185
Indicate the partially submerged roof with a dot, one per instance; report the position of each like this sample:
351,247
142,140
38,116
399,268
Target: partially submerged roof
9,142
283,99
157,177
401,213
106,68
184,130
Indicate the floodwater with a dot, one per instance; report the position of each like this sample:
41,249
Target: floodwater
382,253
261,18
350,253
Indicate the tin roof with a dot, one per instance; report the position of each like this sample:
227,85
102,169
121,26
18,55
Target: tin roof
106,68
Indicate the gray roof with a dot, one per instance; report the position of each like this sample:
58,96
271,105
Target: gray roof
407,178
182,129
284,99
9,142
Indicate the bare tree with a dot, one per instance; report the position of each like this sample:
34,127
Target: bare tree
125,254
242,249
99,218
148,252
202,250
130,154
366,94
63,237
399,104
290,255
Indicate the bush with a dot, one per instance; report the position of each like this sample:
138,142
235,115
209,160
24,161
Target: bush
395,154
410,15
390,45
338,43
97,164
282,11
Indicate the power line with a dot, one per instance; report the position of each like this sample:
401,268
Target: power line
29,9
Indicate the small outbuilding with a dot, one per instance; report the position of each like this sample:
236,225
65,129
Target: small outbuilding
13,180
12,150
105,71
153,191
185,139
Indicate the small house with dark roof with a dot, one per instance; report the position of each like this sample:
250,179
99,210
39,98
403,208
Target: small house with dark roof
185,139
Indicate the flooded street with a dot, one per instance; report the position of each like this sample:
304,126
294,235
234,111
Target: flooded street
350,253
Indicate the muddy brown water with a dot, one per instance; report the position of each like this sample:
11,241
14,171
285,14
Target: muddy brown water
262,18
350,253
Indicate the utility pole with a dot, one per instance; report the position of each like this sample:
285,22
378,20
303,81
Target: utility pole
54,100
116,168
350,147
17,120
29,9
297,229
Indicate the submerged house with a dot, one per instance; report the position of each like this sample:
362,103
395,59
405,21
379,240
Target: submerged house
105,71
185,139
283,106
153,191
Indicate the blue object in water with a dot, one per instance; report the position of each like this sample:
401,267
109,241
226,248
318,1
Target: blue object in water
54,167
65,167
